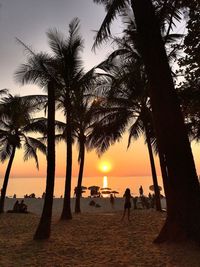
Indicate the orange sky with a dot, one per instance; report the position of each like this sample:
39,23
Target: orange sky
134,162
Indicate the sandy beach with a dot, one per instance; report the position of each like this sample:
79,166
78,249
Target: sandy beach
92,239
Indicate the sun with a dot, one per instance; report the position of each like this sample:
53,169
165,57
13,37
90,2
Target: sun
105,166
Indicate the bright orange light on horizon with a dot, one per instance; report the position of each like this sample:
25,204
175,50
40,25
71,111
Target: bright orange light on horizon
105,166
105,182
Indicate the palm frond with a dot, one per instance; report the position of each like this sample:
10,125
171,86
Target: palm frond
107,131
5,151
3,92
136,130
56,42
30,149
113,9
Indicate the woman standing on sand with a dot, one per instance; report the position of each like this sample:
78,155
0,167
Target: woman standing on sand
127,204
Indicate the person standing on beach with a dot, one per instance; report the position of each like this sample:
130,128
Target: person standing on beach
141,191
127,203
112,201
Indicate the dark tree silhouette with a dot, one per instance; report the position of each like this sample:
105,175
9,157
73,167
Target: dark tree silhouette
40,69
182,221
15,124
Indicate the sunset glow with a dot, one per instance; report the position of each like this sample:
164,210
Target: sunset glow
105,166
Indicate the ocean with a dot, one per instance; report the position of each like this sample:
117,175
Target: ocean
23,186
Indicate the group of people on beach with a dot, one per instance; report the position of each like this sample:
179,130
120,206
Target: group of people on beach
146,202
20,207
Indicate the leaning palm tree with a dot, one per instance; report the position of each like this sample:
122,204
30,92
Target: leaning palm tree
127,96
132,75
84,122
170,130
16,118
127,88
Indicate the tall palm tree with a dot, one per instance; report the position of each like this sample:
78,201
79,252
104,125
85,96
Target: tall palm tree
169,124
75,80
66,51
15,123
40,69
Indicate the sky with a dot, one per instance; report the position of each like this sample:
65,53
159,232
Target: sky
29,20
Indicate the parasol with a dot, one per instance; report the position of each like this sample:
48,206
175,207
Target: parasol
105,188
106,192
83,187
93,187
151,187
114,192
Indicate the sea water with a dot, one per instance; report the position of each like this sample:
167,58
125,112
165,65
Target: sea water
23,186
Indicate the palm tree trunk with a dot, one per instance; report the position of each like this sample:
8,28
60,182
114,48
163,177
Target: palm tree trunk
66,212
6,178
44,227
165,176
183,220
153,171
80,177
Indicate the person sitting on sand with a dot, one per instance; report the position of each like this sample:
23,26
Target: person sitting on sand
127,204
22,206
16,206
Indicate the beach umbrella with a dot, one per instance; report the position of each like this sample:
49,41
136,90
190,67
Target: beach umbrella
151,187
93,187
114,192
83,187
106,192
105,188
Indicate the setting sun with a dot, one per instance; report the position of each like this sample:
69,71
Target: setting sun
105,166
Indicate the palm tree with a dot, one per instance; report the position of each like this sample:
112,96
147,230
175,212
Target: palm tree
15,123
66,51
41,69
131,73
84,121
129,89
168,120
128,96
75,80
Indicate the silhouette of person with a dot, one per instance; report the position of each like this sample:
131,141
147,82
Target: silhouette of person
16,206
22,206
112,200
135,202
127,203
141,191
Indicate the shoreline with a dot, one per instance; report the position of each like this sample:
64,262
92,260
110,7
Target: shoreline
35,205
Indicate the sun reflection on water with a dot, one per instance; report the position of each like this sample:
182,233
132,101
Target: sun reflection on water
105,182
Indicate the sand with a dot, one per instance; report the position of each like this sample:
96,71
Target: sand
92,239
